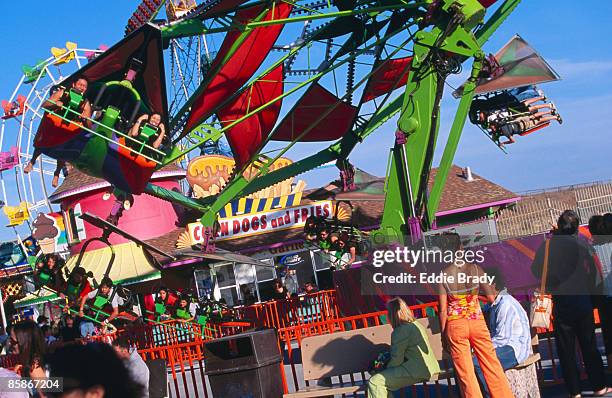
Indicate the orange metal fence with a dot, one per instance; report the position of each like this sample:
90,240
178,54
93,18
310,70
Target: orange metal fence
278,314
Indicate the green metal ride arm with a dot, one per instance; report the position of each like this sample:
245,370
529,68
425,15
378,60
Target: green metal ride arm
452,142
406,197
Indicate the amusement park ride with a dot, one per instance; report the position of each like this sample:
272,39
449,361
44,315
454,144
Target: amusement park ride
264,72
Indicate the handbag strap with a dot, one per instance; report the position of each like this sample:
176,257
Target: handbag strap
545,270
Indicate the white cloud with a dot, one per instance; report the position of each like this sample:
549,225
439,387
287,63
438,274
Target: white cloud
572,69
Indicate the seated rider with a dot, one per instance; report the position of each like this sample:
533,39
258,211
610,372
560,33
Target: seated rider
163,304
324,240
182,311
522,124
149,130
514,111
101,300
345,251
527,94
310,229
60,99
77,285
48,272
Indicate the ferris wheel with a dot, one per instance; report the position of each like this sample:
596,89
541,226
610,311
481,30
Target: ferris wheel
25,185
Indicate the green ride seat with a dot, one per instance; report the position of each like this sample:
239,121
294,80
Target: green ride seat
75,99
202,320
72,290
146,132
183,314
100,302
160,308
44,277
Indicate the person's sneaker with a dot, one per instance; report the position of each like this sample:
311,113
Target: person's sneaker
553,109
541,94
55,181
106,196
559,119
127,204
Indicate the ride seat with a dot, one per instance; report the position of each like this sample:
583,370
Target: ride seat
121,96
100,302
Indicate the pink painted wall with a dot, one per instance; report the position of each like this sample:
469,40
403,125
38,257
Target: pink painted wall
148,218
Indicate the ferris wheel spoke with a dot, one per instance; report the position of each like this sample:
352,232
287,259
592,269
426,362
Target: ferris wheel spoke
32,188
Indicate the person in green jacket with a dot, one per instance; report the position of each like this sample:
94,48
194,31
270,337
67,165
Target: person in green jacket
412,358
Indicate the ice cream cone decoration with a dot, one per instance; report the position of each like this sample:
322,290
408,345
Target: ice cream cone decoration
45,233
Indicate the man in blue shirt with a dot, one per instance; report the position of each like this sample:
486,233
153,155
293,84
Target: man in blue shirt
509,327
134,362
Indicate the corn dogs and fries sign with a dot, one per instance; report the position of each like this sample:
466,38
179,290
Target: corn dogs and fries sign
259,223
275,208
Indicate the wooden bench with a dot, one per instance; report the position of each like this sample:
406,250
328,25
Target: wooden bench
351,352
523,378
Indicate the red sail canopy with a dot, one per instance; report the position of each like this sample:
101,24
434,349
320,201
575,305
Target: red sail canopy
246,137
242,65
391,74
307,113
145,44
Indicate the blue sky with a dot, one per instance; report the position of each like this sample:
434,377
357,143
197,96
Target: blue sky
575,41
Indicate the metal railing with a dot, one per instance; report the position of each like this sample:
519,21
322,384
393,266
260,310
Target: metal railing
538,212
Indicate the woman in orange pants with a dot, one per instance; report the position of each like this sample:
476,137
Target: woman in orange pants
464,327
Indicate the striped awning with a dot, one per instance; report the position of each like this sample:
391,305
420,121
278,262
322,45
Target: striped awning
40,296
130,265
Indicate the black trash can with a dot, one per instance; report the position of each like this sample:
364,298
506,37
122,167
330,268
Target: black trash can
245,365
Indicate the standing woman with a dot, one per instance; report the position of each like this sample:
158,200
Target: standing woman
412,359
464,328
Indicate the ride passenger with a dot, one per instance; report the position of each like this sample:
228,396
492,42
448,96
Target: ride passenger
525,123
412,358
155,121
105,292
48,271
310,229
527,94
346,251
77,286
182,312
162,304
324,240
56,103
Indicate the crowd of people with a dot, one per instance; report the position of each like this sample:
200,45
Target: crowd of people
92,310
483,341
86,369
484,344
